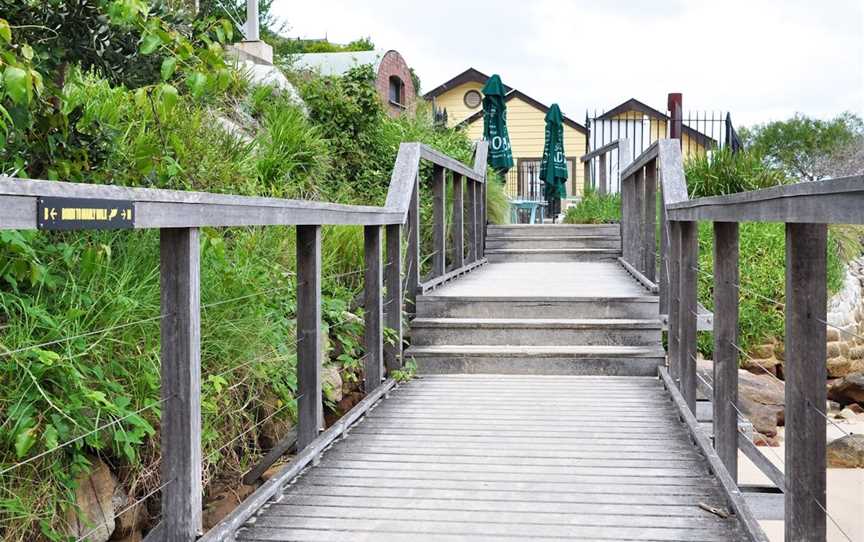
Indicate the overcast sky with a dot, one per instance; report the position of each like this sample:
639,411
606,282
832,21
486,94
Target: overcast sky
762,60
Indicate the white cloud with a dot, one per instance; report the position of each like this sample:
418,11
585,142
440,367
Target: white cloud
759,59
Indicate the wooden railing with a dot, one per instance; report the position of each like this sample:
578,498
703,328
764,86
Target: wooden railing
806,209
603,157
179,215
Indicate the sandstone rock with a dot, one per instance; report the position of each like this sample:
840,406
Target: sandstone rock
763,351
331,383
838,367
761,366
856,408
94,498
833,349
134,536
832,334
276,427
274,469
849,389
846,452
760,399
132,520
222,503
856,352
763,440
847,414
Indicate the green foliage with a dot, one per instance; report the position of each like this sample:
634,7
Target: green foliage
595,209
762,247
285,47
725,172
796,146
762,267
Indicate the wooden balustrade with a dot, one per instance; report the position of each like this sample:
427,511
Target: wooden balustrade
178,215
805,208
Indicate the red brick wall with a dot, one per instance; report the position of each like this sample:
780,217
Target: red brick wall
393,64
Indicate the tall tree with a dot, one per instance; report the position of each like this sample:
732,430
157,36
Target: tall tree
802,146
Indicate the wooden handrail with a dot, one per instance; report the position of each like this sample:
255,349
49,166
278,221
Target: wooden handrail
806,209
179,215
625,156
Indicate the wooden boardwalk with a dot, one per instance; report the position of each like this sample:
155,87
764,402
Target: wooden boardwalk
493,457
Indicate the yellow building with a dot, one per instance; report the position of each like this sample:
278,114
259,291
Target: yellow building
462,100
643,125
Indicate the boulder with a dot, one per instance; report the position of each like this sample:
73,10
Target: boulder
93,514
760,399
223,503
849,389
846,452
839,367
331,383
270,75
132,520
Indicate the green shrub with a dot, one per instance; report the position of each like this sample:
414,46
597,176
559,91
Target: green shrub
725,172
595,209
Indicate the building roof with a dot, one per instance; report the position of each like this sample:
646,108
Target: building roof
635,105
468,76
534,103
339,63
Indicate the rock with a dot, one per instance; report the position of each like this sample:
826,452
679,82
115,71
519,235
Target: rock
846,452
762,365
94,498
833,349
276,427
856,352
134,536
832,334
762,440
833,406
838,367
331,383
763,351
856,408
223,503
273,470
132,520
849,389
270,75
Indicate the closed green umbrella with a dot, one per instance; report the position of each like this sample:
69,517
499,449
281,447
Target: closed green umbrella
495,125
553,167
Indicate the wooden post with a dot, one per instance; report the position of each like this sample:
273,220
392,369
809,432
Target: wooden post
310,408
471,221
665,269
805,370
586,176
687,313
673,327
393,283
373,335
649,226
180,284
482,220
413,256
439,226
725,336
601,185
458,229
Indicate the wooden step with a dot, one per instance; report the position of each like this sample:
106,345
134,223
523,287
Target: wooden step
532,360
559,242
635,307
499,255
543,230
539,331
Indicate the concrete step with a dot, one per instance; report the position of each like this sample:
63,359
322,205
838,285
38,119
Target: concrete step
558,241
540,331
639,307
546,230
569,360
498,255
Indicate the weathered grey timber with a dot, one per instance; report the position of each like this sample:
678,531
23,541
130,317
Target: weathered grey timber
457,230
687,314
373,309
180,434
553,243
806,302
725,337
442,460
439,220
393,301
310,419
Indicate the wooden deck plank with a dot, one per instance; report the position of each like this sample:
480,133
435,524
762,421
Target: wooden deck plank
506,458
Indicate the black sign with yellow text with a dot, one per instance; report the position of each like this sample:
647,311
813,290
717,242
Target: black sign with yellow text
84,214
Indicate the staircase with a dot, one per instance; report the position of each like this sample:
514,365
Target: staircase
553,243
554,302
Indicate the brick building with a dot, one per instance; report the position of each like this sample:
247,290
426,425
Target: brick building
394,83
